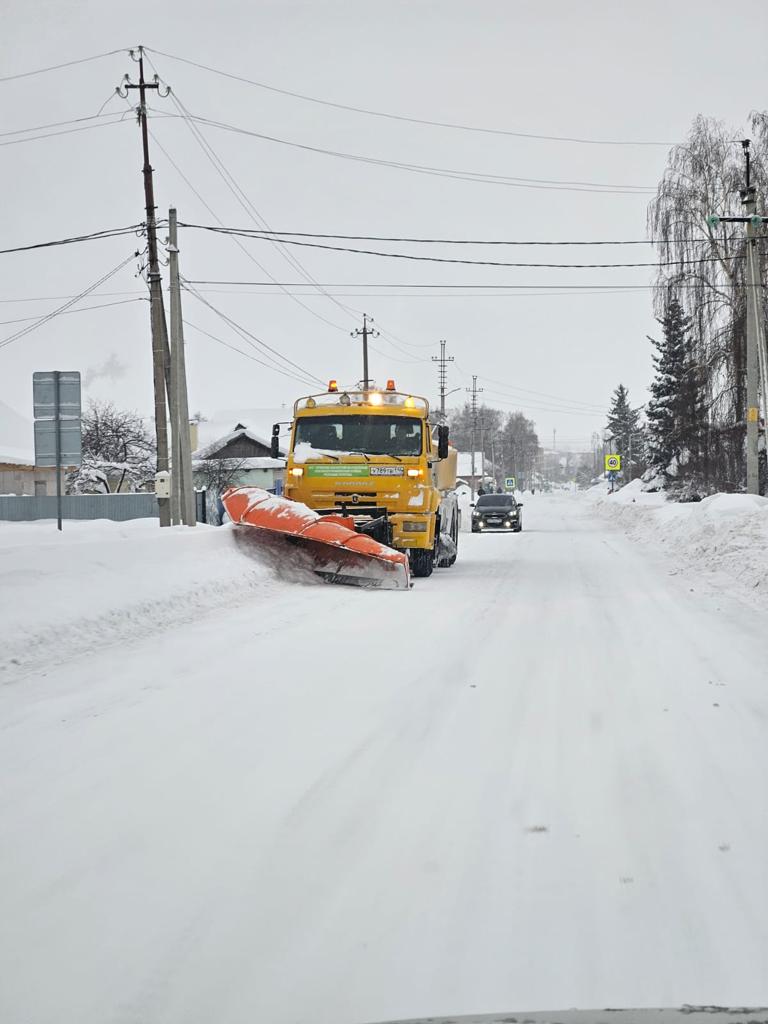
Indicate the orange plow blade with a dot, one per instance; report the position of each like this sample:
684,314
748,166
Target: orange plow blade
334,550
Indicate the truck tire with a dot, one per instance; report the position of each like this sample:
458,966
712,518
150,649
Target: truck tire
422,561
455,538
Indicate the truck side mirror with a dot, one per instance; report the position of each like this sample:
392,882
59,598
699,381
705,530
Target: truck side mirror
274,450
442,442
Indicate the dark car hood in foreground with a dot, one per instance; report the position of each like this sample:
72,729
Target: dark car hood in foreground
674,1015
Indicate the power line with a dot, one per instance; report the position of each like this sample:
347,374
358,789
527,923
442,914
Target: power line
249,337
62,124
83,309
268,366
486,178
56,298
58,67
245,233
66,306
553,405
411,120
542,394
468,241
447,285
242,199
131,229
67,131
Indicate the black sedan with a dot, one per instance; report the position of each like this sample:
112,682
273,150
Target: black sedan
497,512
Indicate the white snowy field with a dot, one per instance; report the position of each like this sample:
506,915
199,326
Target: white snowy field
537,780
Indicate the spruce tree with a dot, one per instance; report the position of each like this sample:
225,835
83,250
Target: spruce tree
624,427
676,417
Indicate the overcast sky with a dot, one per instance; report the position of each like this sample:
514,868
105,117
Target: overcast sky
589,70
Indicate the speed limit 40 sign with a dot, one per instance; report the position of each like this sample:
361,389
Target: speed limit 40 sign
612,463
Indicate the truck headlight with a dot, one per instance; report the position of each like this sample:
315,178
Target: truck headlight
412,526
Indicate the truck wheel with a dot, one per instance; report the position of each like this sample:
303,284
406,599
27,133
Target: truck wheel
455,538
422,561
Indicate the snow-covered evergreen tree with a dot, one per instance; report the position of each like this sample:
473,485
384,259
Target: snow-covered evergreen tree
676,416
624,427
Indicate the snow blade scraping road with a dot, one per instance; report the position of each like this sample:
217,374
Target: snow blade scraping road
328,545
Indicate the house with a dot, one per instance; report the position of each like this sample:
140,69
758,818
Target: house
18,473
248,459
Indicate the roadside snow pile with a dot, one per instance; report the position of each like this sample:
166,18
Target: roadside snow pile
725,533
99,582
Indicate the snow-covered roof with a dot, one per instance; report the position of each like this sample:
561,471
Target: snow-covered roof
258,421
16,457
240,430
256,462
16,437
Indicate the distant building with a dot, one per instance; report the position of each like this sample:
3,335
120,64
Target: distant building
20,475
247,451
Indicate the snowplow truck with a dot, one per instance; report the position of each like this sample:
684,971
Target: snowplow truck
372,455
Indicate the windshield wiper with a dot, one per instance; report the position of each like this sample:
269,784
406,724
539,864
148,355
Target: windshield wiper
353,452
389,455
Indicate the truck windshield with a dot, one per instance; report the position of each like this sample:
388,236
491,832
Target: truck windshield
374,435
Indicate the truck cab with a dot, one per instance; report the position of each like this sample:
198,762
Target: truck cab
371,455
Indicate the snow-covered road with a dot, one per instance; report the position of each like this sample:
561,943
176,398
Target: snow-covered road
538,780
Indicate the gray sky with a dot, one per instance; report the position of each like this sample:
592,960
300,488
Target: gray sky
596,70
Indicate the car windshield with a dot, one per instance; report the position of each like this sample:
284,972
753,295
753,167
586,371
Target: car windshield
375,435
496,501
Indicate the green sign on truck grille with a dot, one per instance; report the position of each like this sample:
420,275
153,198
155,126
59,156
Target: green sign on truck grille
344,472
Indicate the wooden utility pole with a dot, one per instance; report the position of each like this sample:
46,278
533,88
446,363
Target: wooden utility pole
365,333
160,356
181,480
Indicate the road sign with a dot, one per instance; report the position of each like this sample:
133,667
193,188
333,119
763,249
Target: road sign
58,431
70,441
612,463
44,394
510,483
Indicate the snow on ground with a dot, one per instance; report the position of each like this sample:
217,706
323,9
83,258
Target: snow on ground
97,583
725,535
537,780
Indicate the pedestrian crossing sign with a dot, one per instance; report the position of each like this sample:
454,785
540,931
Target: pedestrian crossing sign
510,483
612,463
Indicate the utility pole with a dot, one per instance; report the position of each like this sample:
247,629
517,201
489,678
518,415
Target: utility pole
160,360
181,479
474,391
757,358
442,376
365,333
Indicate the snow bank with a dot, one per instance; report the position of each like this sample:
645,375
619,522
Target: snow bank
725,533
100,582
